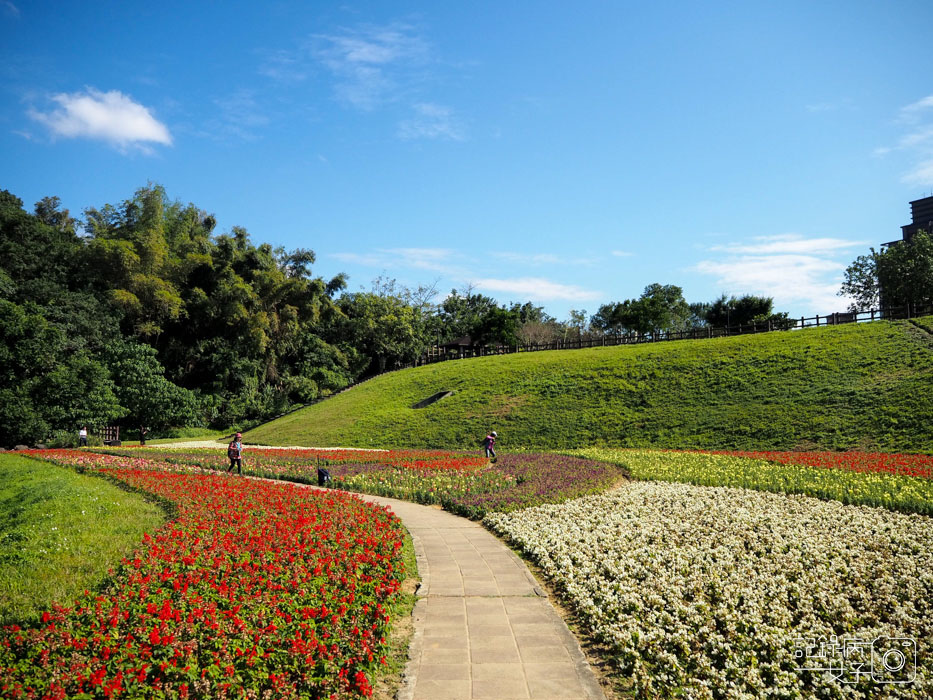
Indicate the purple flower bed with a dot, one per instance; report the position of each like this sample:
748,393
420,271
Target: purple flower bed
540,478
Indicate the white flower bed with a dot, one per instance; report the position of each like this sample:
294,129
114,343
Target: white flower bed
704,592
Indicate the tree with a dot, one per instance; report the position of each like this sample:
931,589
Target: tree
698,315
497,326
151,401
132,244
461,314
39,258
861,283
538,333
48,210
664,308
383,328
44,384
898,275
731,311
575,324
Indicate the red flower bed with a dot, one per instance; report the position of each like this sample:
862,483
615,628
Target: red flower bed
903,465
256,589
302,464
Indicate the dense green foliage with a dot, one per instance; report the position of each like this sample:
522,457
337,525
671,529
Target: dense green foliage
863,385
898,275
59,533
663,309
149,319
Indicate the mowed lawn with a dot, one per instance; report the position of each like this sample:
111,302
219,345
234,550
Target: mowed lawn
60,532
854,386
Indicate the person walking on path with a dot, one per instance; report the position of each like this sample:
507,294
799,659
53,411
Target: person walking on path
235,454
489,445
82,437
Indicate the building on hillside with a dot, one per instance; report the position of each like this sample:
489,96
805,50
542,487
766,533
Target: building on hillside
921,211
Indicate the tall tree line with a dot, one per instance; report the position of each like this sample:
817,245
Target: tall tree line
149,319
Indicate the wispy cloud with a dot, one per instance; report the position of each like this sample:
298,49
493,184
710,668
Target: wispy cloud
433,259
541,259
9,8
829,106
534,259
537,289
370,63
239,116
789,244
450,264
620,254
105,116
795,271
915,111
284,66
431,121
920,175
917,143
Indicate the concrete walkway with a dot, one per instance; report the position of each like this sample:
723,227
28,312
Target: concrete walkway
483,626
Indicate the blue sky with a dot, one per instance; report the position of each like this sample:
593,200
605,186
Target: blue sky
567,154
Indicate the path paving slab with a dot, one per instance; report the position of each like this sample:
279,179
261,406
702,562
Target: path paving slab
484,628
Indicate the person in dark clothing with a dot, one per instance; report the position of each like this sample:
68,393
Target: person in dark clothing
235,454
489,445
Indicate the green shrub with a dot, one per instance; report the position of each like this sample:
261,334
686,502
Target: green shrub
69,438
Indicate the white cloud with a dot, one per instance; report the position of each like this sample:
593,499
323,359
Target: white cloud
621,254
795,271
431,121
799,280
106,116
370,62
790,244
537,289
9,8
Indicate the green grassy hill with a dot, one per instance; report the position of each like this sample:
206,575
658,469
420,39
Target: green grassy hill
868,386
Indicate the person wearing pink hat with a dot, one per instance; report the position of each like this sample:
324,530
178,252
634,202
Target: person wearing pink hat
489,445
235,453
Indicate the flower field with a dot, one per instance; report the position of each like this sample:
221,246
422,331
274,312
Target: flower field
893,481
873,462
255,589
463,483
727,593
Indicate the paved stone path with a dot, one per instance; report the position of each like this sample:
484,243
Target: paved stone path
483,628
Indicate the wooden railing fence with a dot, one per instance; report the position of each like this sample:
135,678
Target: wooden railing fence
439,354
